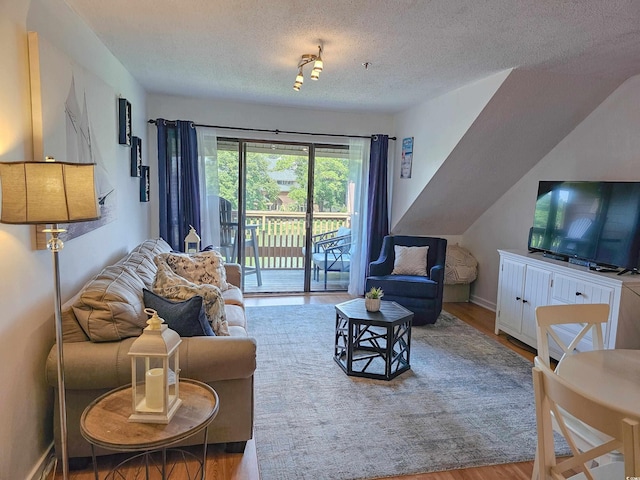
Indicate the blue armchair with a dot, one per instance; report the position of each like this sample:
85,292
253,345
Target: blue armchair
420,294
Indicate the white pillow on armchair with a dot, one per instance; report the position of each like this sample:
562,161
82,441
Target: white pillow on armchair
410,260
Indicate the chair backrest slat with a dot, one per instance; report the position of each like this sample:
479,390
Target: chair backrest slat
591,317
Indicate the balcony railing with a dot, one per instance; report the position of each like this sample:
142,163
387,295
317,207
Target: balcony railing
280,236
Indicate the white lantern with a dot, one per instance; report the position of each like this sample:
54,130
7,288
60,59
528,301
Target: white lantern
192,241
155,372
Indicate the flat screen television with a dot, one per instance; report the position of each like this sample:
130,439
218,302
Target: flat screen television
597,223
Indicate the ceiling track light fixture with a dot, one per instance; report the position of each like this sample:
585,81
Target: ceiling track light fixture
306,59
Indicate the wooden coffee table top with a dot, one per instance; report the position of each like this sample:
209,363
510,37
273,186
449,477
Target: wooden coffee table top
105,421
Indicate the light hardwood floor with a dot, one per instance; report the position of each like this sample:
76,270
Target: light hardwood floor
224,466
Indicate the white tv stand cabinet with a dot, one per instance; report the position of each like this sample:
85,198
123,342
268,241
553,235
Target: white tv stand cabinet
528,280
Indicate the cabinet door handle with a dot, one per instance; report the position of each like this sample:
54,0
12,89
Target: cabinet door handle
578,294
518,298
524,301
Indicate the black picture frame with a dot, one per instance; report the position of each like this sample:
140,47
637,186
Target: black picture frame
144,183
124,122
136,156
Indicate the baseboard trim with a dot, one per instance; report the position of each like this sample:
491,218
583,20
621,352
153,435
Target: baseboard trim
482,302
40,470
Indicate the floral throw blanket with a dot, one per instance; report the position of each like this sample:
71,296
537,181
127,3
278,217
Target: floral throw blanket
173,286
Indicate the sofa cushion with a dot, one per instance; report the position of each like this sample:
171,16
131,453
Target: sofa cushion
152,247
235,316
200,268
71,331
410,260
187,317
142,265
237,331
110,306
234,274
233,296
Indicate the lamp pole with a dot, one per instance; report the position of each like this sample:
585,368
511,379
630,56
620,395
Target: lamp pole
55,245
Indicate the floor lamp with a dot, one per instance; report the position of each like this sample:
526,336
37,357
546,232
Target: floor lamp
49,193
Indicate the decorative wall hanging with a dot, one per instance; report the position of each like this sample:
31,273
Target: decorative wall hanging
77,123
124,122
136,156
407,157
144,183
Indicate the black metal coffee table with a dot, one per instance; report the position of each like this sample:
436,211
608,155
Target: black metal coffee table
373,344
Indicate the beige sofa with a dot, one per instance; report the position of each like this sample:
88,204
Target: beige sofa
226,363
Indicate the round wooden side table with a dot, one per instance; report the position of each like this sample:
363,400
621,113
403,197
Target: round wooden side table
105,423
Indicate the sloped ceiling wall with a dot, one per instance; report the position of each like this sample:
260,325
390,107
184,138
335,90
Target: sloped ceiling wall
528,115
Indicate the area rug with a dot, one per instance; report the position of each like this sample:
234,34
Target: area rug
467,401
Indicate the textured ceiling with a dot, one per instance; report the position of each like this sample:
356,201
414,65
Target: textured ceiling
248,50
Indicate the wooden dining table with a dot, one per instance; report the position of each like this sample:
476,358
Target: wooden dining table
611,376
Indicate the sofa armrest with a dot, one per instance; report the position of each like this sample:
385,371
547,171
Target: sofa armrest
89,365
234,273
92,366
437,274
210,359
384,264
378,268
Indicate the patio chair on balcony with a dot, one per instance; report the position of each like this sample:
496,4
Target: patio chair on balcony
331,252
229,239
228,230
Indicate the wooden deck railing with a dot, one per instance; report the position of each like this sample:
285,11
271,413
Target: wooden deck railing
281,236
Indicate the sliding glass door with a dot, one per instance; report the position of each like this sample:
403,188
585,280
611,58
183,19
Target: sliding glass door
276,215
258,201
331,243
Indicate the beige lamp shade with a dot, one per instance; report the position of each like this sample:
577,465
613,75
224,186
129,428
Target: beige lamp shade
48,192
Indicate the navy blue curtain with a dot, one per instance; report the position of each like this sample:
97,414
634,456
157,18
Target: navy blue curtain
377,208
178,180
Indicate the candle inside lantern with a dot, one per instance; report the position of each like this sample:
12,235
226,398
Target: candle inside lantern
154,388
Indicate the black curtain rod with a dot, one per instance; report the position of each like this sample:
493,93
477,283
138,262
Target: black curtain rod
172,122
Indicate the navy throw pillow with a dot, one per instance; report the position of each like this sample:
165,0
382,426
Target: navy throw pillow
186,317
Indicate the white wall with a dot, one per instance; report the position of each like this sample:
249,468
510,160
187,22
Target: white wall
605,146
26,283
246,115
436,127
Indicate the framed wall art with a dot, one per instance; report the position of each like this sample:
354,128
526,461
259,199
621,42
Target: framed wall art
407,157
72,126
124,122
144,183
136,156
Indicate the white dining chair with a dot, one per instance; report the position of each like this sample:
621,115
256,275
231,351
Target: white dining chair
554,322
588,317
622,428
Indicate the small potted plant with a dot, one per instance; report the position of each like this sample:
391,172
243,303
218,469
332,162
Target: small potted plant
372,299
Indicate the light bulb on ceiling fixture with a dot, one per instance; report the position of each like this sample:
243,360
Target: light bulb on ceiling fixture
299,80
318,65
